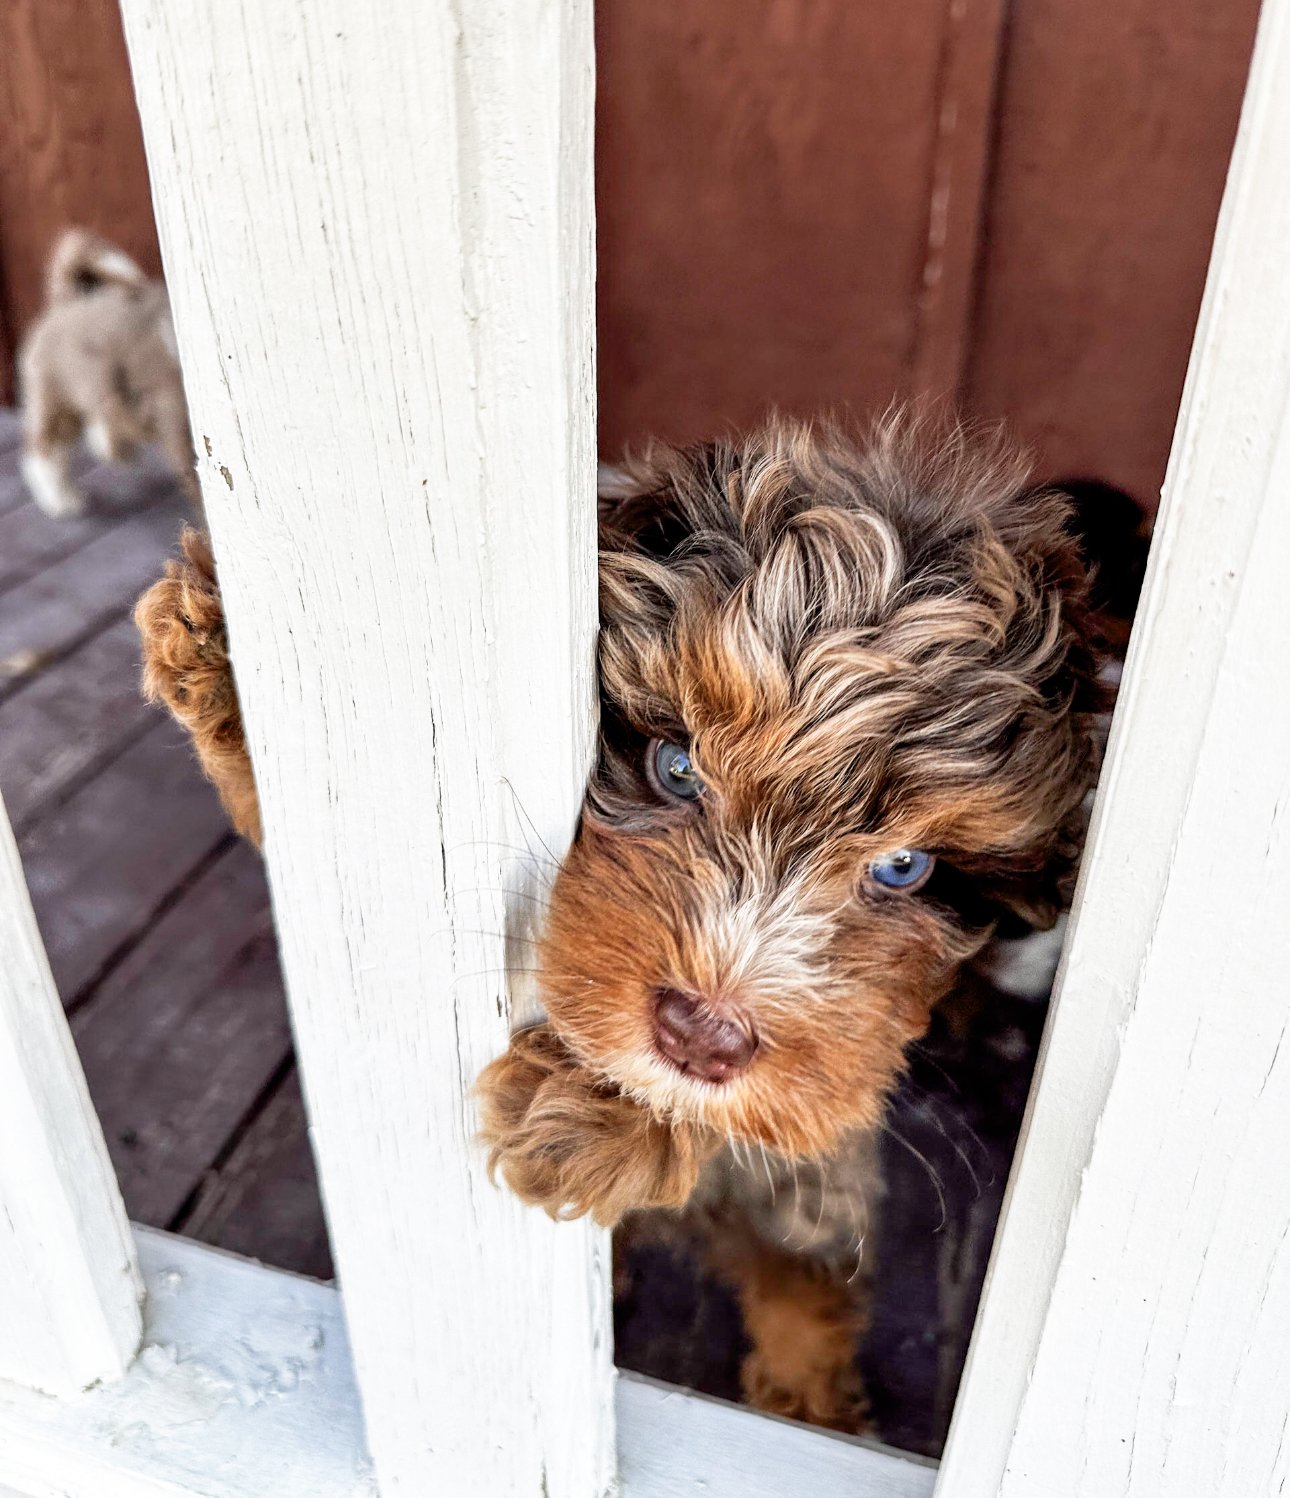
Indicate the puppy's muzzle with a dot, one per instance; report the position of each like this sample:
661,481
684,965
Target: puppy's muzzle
708,1039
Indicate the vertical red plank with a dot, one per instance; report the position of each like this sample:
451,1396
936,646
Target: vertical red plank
763,175
965,137
1116,123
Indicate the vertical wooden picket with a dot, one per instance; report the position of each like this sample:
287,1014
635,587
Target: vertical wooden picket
69,1283
1133,1335
376,222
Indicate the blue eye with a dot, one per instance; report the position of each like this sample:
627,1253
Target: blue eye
675,772
903,869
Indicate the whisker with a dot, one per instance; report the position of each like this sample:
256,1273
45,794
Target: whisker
504,969
502,936
515,848
519,806
926,1057
770,1180
958,1148
931,1173
506,894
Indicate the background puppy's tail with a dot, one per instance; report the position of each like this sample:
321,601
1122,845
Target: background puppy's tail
81,263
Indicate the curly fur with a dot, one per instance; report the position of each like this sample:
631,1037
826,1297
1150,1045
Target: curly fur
186,667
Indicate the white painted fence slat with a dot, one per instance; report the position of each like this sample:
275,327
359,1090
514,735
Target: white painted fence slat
377,228
673,1444
69,1286
244,1389
1134,1337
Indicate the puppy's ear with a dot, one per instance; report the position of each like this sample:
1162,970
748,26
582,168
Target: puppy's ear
642,510
1091,569
1114,535
81,263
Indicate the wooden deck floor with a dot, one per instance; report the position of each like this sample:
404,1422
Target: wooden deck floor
155,917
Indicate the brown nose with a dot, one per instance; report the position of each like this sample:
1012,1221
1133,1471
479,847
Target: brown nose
698,1039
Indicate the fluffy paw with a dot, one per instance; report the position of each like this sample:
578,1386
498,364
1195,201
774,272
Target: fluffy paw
832,1397
185,645
804,1324
565,1140
186,666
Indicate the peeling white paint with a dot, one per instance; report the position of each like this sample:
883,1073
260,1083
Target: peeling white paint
243,1389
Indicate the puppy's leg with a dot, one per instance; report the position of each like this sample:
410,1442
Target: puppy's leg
50,430
114,430
186,666
46,472
567,1141
170,419
804,1322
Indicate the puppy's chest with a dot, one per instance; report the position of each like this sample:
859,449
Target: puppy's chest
820,1209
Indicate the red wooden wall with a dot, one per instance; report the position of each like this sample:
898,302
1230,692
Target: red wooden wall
811,203
70,148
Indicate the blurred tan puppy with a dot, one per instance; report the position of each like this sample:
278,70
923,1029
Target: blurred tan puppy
101,361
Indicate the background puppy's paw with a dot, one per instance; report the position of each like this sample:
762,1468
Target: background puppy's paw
567,1141
51,485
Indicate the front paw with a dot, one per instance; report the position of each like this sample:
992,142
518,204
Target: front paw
565,1140
185,644
832,1396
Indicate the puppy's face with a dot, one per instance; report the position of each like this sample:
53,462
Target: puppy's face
842,732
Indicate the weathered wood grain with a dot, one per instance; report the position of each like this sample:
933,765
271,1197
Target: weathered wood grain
246,1389
377,230
69,1286
70,720
52,611
262,1199
1134,1337
30,540
184,1035
101,866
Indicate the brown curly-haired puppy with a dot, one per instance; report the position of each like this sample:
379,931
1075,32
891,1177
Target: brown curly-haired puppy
101,360
848,712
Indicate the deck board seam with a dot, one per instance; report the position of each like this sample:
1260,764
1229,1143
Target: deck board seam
57,558
209,1176
78,1002
59,796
